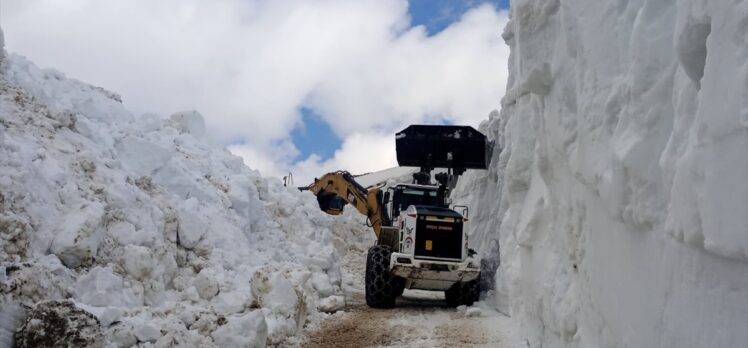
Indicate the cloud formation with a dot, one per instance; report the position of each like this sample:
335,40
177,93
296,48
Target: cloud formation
249,66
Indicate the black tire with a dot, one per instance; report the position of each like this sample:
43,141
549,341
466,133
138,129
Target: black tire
465,293
401,290
382,288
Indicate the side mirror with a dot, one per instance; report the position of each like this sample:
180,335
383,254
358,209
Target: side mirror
464,210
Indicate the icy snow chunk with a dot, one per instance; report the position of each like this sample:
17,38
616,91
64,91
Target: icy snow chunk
147,332
175,334
322,284
248,330
323,263
243,195
180,179
101,287
189,122
230,302
122,335
109,316
331,304
122,194
138,261
207,322
187,314
191,226
102,105
190,294
473,312
206,284
142,157
77,237
283,304
125,233
282,297
106,315
122,230
150,123
86,128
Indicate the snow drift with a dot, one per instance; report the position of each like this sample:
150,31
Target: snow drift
617,196
164,237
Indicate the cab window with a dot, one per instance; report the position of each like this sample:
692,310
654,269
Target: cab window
405,197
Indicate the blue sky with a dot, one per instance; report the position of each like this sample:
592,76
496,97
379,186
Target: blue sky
315,135
436,15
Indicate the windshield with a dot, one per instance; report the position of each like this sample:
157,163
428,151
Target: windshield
405,197
419,193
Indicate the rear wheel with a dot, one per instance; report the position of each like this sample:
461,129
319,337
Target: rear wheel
382,288
461,293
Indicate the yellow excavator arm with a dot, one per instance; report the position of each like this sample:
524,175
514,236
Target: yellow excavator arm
334,190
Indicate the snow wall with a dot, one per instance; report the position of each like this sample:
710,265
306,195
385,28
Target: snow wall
167,238
617,196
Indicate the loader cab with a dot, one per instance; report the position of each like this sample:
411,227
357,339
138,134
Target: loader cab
404,195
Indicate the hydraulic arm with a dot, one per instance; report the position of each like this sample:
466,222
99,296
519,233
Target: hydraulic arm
335,190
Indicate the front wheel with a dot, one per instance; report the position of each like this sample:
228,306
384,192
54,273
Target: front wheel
463,293
382,288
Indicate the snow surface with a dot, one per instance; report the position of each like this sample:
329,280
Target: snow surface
166,238
617,196
386,177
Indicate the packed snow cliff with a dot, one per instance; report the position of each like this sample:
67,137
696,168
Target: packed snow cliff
617,197
138,230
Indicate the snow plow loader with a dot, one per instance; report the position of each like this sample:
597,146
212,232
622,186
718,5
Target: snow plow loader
421,239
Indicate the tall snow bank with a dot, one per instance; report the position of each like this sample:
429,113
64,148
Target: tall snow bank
144,223
617,195
2,43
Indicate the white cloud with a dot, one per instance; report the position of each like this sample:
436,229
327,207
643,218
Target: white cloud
271,161
248,66
360,153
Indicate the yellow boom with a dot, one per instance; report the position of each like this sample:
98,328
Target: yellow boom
334,190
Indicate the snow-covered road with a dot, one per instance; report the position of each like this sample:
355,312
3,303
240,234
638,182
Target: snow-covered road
420,319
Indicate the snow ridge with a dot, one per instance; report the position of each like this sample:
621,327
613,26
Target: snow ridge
617,190
165,237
